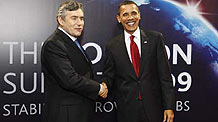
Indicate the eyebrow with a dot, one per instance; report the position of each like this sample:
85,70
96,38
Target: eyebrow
135,11
76,16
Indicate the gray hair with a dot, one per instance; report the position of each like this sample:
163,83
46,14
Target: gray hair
68,6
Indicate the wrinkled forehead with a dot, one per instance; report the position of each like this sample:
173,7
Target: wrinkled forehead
77,13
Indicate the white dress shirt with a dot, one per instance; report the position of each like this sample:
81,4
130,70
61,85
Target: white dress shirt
72,38
136,39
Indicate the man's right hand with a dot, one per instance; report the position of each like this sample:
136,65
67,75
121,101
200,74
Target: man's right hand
104,90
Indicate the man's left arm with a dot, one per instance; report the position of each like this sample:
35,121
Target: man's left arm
164,73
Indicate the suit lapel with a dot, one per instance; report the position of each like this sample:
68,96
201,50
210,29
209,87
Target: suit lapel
126,58
72,46
144,51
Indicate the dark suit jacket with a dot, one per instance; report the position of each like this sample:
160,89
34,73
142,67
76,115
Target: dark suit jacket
69,90
154,81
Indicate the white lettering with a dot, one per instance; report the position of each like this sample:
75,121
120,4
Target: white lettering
10,83
33,109
11,47
111,106
22,83
98,49
34,53
8,111
186,58
98,106
23,109
186,82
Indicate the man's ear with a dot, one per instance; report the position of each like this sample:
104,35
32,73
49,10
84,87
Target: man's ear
118,18
60,20
139,16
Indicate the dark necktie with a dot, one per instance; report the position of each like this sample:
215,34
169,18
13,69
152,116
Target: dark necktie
135,59
80,47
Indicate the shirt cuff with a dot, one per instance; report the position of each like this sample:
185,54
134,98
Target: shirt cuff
101,89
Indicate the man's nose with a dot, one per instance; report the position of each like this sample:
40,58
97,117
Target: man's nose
80,21
130,17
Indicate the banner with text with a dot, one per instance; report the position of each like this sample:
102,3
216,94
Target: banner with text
189,28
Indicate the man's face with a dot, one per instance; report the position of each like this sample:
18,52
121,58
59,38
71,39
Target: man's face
129,17
73,23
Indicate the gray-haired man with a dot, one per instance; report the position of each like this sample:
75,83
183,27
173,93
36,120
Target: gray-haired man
69,90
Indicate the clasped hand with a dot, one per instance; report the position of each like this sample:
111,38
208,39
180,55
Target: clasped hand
104,91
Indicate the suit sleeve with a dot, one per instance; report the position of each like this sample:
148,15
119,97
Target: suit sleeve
164,73
58,63
109,66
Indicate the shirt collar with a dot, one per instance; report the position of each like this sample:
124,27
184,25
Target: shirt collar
72,38
136,34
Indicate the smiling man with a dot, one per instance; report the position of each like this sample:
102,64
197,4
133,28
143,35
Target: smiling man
69,90
137,68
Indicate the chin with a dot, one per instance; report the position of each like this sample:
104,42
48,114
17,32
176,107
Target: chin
76,35
131,30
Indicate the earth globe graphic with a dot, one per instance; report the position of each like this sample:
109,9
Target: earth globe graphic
177,21
182,27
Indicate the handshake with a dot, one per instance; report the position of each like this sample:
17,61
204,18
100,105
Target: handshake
103,90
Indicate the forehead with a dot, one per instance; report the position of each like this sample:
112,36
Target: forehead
128,8
77,12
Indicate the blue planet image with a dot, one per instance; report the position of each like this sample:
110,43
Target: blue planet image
192,26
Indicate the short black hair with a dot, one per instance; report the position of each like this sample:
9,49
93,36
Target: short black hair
126,2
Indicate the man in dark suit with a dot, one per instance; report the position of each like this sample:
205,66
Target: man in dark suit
69,90
137,71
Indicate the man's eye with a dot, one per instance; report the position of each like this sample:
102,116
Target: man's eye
125,14
134,13
74,18
81,18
